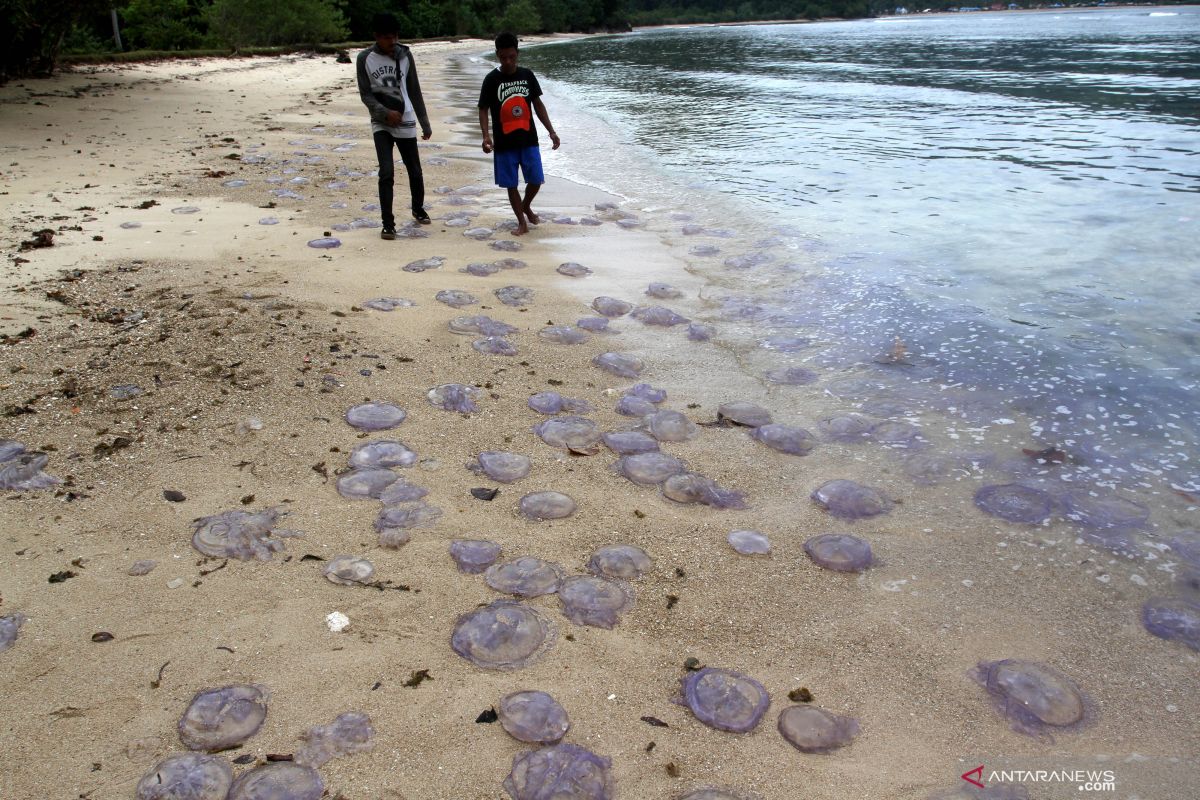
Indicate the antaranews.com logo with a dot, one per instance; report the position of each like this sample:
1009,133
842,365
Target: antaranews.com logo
1085,780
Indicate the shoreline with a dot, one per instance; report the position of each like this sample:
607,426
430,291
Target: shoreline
242,320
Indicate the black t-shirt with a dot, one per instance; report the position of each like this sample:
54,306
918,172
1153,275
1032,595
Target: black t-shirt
510,99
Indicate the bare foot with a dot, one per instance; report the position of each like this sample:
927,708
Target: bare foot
521,230
532,217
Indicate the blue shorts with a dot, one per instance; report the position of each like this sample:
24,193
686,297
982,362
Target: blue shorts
505,163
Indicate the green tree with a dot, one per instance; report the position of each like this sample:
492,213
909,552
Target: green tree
162,25
247,23
34,31
520,16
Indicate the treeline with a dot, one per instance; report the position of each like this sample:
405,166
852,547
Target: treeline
37,32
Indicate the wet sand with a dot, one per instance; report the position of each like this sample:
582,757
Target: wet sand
218,319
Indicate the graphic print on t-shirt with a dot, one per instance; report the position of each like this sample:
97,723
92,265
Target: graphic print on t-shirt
514,114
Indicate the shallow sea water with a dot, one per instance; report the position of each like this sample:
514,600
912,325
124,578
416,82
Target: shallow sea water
980,226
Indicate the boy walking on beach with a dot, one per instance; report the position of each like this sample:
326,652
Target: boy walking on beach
507,94
388,86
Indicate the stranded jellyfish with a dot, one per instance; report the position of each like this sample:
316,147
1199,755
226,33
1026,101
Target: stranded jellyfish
845,428
559,771
10,625
480,325
187,776
473,556
363,484
563,334
663,291
649,469
724,699
569,433
742,412
631,406
697,332
573,270
524,577
185,210
593,324
532,716
456,298
501,466
849,500
388,303
239,534
669,426
514,295
455,397
375,416
810,729
619,364
382,453
279,780
349,733
749,543
421,265
21,470
218,719
659,316
1173,618
504,635
479,234
349,571
1096,511
626,443
1186,545
494,346
711,794
555,403
401,491
412,515
785,438
691,487
840,552
623,561
791,376
546,505
325,243
611,306
645,391
506,246
1015,503
705,250
1030,695
595,601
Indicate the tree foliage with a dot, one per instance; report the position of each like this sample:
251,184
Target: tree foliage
244,23
35,30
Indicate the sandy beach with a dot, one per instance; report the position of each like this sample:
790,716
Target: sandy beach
219,320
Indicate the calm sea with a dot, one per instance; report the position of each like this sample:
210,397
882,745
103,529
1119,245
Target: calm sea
984,225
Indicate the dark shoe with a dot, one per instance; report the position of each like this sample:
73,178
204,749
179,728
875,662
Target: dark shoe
388,232
422,217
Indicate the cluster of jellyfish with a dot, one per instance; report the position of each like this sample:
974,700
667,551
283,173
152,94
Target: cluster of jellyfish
227,717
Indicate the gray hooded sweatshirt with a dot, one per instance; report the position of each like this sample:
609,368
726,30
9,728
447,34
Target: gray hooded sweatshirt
394,76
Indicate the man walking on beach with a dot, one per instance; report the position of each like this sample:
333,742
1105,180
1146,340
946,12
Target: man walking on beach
388,86
508,92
